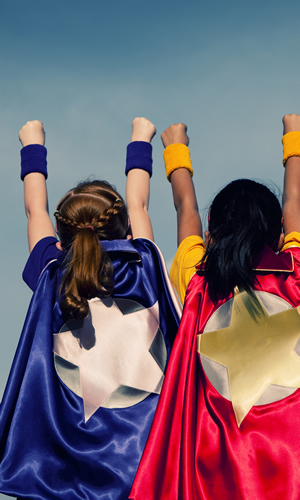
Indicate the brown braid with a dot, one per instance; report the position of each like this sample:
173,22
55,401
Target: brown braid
96,223
88,269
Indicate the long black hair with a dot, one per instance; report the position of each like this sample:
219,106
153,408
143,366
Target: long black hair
244,217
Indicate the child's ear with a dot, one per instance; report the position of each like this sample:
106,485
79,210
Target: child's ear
281,240
207,237
58,245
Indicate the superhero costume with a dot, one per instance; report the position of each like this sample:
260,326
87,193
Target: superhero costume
56,441
207,441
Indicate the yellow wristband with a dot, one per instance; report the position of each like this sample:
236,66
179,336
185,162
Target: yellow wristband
177,156
291,145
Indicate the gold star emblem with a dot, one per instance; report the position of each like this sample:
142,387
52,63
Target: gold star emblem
257,349
115,357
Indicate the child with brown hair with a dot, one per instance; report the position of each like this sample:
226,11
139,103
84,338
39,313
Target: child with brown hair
90,364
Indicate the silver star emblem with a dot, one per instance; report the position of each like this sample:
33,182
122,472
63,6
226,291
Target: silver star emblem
113,358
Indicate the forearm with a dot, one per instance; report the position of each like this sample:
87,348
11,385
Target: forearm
291,159
34,174
36,208
137,198
179,172
291,195
138,171
185,202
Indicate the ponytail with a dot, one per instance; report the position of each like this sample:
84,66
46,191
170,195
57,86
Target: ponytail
244,217
88,273
85,216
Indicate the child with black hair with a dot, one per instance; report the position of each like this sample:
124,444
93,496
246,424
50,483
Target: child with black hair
227,424
89,367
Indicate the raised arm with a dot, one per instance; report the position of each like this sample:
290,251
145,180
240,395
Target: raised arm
138,178
188,218
35,191
291,191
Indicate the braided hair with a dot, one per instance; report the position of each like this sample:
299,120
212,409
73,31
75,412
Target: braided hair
89,213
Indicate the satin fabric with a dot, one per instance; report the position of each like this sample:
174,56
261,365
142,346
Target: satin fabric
47,451
195,450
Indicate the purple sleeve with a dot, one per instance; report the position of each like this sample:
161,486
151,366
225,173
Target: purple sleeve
44,251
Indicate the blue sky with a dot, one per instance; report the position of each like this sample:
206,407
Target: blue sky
230,70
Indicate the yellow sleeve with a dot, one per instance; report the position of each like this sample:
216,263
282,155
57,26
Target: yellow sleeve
188,255
291,240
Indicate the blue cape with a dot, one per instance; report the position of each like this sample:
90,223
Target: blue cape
47,451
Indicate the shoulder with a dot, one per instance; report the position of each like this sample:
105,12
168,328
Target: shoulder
42,254
292,245
189,253
141,273
291,240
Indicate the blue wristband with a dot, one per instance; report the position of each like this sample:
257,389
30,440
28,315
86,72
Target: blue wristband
139,155
33,159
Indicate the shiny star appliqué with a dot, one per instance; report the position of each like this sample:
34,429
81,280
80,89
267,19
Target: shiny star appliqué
257,349
115,353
